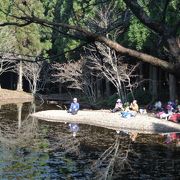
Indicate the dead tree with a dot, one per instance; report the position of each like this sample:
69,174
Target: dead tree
6,65
104,61
6,45
36,74
75,75
107,64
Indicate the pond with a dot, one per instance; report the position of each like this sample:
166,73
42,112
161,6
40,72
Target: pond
36,149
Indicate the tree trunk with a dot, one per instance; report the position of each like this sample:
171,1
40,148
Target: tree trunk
11,81
35,84
19,85
19,106
153,82
33,107
98,88
172,87
141,75
89,36
107,92
174,49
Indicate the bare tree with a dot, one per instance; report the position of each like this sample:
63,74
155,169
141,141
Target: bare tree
6,64
76,76
36,74
20,76
6,45
104,62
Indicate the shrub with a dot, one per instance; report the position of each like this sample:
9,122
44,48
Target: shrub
142,97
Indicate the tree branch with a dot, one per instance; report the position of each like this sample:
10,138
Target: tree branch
91,37
165,11
143,17
15,24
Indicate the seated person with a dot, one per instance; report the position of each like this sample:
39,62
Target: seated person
176,106
178,109
130,111
118,106
74,107
134,108
169,107
158,106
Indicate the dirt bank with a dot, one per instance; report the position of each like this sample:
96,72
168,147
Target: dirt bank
13,96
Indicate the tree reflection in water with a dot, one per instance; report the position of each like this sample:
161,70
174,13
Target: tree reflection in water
108,153
66,142
19,136
115,158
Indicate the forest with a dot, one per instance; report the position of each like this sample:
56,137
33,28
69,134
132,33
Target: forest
97,49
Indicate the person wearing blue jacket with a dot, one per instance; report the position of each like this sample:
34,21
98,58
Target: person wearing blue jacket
74,107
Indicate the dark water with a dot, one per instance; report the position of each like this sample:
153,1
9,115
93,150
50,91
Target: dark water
34,149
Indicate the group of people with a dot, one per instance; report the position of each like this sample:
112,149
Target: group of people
129,111
169,110
170,106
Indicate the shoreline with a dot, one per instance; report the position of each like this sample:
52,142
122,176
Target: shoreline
13,96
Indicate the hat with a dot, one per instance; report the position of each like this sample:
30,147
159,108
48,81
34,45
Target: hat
118,100
134,101
75,99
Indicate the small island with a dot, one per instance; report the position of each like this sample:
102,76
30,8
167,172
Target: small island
102,118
